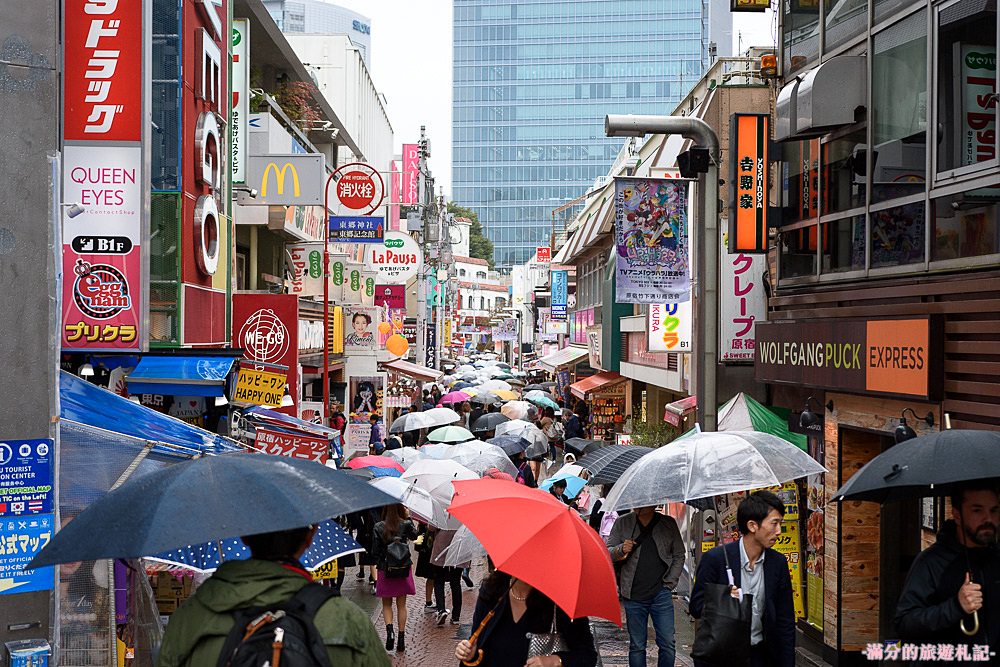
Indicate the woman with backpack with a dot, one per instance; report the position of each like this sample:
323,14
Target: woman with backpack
393,562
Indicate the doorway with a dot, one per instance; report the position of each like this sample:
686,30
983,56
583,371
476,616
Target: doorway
900,521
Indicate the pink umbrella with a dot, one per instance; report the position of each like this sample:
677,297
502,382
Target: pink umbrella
375,462
453,397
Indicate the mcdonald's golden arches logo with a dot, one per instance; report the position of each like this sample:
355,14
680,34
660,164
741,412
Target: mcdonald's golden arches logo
279,176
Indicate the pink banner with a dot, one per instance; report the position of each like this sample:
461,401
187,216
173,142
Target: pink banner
395,192
411,166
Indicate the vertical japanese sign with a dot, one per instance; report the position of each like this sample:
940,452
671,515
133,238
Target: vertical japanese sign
240,112
446,331
749,134
978,104
103,87
742,302
266,327
559,281
411,176
430,345
651,240
395,193
669,327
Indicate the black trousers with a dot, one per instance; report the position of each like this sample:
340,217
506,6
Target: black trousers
452,575
758,655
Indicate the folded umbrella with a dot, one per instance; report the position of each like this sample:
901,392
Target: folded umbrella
522,530
512,445
374,462
489,421
450,434
208,499
419,501
709,464
607,464
574,483
475,455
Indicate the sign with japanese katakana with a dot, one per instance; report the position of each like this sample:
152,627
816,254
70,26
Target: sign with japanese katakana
749,134
742,301
357,228
256,386
651,240
21,538
26,477
293,445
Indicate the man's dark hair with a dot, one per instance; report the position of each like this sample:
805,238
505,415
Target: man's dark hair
373,417
756,507
279,545
958,495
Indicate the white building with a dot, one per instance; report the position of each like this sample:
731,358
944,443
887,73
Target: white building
315,17
481,293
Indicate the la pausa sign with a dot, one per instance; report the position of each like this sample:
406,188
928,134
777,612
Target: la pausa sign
894,357
397,259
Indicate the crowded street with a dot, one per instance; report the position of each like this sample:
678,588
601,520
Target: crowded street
540,333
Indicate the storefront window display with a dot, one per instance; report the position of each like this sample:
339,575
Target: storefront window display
897,235
844,245
607,411
899,109
966,225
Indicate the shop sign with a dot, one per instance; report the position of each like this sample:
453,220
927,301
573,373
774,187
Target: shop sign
668,327
357,229
411,175
305,264
360,326
239,114
556,328
749,134
301,222
295,179
897,357
392,296
256,386
24,539
978,104
742,302
559,282
292,445
102,264
505,330
430,346
595,334
359,188
651,240
397,260
187,407
446,330
26,477
543,254
266,327
366,398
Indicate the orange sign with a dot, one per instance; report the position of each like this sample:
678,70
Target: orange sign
897,356
748,206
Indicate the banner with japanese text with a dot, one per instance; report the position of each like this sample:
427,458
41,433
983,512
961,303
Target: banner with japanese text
293,445
742,301
559,282
651,240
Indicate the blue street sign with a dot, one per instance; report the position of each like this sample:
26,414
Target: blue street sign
357,228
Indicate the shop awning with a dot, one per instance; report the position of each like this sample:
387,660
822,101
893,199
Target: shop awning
415,371
568,356
673,413
281,421
180,376
89,404
594,383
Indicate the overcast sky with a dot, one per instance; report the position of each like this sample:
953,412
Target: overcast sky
411,66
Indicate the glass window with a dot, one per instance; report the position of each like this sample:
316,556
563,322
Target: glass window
798,252
844,245
897,235
843,172
800,198
966,77
965,225
800,33
899,109
845,20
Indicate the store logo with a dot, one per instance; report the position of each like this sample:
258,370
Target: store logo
279,177
264,336
976,60
100,291
102,245
6,453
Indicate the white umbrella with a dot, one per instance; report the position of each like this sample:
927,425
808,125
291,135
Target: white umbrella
709,464
520,428
495,384
435,476
432,418
477,456
417,500
515,409
406,456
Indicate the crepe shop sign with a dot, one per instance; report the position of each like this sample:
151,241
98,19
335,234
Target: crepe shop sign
292,445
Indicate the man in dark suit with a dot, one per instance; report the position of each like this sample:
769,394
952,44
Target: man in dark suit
761,571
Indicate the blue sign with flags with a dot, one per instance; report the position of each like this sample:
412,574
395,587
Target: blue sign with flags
26,477
560,295
357,228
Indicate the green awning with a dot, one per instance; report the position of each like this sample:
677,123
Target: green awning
743,413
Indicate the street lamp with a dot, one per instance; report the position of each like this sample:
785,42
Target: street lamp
707,251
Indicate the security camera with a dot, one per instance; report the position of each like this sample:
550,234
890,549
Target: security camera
73,210
250,192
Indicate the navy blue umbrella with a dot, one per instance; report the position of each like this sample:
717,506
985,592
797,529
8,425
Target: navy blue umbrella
211,498
510,444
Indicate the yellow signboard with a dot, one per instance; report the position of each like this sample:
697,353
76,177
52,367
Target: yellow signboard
326,571
447,332
749,5
259,387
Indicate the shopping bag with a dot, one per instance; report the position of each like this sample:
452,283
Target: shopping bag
723,636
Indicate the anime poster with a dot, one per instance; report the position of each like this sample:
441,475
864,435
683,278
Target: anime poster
651,240
361,328
364,399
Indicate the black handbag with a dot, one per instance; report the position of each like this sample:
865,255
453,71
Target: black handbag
723,636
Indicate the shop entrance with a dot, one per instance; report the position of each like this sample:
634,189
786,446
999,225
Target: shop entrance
900,545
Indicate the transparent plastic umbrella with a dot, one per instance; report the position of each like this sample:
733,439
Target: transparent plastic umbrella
464,548
477,456
495,384
710,464
419,501
435,476
539,444
406,456
515,409
432,418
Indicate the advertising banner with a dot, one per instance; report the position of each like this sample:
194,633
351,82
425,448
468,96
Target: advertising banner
26,477
395,192
749,133
397,260
305,264
353,284
366,394
24,538
293,445
651,240
102,264
295,179
393,296
357,229
411,167
266,327
360,328
256,386
506,329
239,114
668,326
559,282
446,332
742,302
368,280
430,346
815,549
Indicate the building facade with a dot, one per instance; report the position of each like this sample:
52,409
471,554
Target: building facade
316,17
532,83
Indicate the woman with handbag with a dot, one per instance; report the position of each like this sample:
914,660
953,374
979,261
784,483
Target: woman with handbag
517,626
393,563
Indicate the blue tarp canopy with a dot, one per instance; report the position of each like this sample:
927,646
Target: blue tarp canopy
272,419
86,403
180,376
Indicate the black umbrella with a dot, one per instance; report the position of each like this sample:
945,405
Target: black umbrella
489,421
211,498
535,387
511,445
581,446
607,464
931,465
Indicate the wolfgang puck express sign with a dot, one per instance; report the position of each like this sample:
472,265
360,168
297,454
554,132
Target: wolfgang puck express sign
896,357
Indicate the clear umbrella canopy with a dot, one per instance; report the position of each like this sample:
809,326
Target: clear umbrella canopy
476,455
419,501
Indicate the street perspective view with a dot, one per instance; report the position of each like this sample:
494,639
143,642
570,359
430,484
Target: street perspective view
539,333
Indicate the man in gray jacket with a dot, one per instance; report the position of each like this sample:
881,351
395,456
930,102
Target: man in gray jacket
647,547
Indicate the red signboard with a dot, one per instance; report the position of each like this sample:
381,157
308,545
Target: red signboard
292,445
392,295
543,254
266,327
411,166
102,70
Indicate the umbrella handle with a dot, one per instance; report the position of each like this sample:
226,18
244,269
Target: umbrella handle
475,637
961,624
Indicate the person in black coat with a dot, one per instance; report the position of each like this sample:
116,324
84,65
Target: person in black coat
755,566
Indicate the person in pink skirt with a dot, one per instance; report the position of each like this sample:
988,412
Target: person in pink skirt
393,562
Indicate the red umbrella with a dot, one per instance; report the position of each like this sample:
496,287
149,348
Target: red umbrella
375,462
534,537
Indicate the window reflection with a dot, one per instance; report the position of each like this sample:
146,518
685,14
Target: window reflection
844,245
898,235
800,33
798,252
844,164
800,197
966,225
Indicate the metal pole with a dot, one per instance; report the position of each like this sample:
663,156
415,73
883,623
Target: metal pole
326,301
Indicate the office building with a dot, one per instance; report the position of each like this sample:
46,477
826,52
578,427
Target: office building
315,17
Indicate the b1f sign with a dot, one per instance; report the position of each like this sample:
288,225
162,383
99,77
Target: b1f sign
668,326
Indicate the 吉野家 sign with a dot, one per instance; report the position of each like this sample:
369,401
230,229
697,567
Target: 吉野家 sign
748,204
285,180
357,228
884,356
259,387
